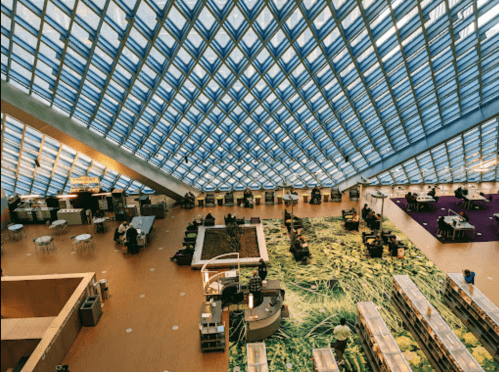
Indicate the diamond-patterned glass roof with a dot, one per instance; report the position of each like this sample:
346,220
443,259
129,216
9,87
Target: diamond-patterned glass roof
58,163
255,91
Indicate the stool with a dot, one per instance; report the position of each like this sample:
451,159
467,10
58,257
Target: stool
258,198
305,198
279,199
326,197
200,202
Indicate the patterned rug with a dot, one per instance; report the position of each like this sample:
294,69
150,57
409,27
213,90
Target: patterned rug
327,289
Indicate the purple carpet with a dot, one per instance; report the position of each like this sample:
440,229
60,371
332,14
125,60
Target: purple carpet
483,220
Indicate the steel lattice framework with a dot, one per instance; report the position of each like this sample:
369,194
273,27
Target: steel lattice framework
225,94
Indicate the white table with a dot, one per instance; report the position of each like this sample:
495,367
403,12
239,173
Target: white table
82,237
460,226
59,222
471,199
100,220
43,239
424,199
16,227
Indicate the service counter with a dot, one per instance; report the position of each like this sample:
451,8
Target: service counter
263,320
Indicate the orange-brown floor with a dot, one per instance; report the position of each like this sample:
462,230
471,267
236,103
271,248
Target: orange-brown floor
173,294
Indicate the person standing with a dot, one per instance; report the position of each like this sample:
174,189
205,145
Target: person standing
131,235
262,269
342,333
469,276
255,287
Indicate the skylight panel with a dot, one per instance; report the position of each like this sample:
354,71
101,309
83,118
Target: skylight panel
305,37
265,18
26,15
116,14
488,16
236,18
294,19
135,35
147,15
87,15
176,18
57,15
350,18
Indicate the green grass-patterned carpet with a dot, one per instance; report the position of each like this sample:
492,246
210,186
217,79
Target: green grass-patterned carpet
316,302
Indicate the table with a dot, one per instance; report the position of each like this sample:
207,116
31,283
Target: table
43,239
99,222
16,227
143,225
59,222
424,199
471,199
82,237
200,202
460,226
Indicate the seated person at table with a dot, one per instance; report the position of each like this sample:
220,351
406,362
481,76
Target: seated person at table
99,214
287,216
352,223
458,193
188,250
365,211
209,216
375,248
433,192
191,227
315,195
291,191
195,223
393,246
300,251
373,220
120,231
248,198
230,219
444,227
464,216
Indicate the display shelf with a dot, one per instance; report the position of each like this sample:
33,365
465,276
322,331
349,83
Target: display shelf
257,357
211,328
378,343
475,310
324,360
442,347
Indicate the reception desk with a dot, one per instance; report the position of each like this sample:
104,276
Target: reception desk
263,320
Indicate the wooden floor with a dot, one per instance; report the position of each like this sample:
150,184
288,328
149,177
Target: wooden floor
173,295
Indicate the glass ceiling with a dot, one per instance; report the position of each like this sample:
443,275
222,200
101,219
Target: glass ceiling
456,160
224,94
58,163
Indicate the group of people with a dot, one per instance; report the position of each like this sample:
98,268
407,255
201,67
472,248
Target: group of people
128,233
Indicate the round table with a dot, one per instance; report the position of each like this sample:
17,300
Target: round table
58,222
16,227
83,237
100,220
43,239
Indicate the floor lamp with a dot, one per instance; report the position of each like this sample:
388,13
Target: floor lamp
379,195
292,199
284,185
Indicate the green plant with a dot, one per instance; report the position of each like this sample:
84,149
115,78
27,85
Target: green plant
233,236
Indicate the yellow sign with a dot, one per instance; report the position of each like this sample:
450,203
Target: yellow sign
84,180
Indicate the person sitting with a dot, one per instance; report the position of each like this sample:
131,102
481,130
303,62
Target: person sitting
191,227
464,216
248,198
458,193
188,200
352,223
375,248
444,227
315,195
120,231
373,221
300,251
365,212
433,192
469,276
195,223
230,219
188,250
393,246
99,214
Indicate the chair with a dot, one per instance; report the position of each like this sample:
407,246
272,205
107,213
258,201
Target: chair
350,225
209,201
229,199
209,222
190,237
269,198
354,194
336,195
255,220
240,221
346,214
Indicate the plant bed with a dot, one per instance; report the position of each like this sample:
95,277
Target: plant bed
216,244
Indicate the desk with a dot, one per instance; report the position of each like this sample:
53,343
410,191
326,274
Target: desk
460,226
264,320
471,199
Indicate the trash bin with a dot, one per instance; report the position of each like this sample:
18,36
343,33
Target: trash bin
220,201
104,289
90,311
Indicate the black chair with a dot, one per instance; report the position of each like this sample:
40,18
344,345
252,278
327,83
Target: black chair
209,222
354,194
350,225
347,214
229,199
209,201
366,236
269,198
336,195
375,251
240,221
